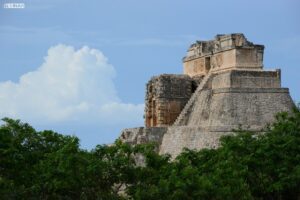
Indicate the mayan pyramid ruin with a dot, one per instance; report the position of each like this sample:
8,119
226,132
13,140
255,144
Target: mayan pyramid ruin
223,87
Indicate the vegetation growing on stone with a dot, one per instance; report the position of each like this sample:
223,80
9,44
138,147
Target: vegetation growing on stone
248,165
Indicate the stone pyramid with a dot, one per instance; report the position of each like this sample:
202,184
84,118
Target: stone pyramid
223,87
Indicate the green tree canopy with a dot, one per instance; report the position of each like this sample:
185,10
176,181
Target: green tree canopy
247,165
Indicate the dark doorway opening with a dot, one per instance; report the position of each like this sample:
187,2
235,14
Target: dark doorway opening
207,64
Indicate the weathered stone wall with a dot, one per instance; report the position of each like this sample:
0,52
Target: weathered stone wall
198,66
180,137
225,52
165,98
249,57
252,108
227,108
142,135
223,60
247,79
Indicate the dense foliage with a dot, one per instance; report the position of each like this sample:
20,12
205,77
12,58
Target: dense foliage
48,165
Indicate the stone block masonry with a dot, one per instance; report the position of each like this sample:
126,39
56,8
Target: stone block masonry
232,51
165,98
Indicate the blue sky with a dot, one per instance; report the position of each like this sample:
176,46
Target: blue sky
124,43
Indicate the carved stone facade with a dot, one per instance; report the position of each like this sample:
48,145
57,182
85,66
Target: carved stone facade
224,87
165,98
225,52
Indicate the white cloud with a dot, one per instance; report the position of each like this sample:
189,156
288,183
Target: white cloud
70,86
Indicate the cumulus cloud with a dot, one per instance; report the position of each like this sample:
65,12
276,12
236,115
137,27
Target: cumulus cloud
71,85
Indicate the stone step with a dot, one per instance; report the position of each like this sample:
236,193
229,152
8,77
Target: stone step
191,101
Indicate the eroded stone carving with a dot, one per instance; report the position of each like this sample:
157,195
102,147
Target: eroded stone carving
165,98
225,52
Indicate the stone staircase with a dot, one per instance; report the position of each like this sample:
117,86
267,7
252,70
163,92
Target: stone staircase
188,107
